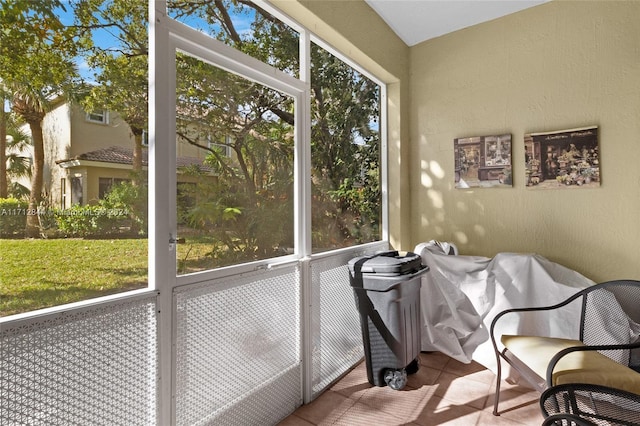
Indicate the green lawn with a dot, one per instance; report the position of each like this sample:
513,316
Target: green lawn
36,274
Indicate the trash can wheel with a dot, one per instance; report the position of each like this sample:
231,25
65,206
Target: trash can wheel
396,379
414,366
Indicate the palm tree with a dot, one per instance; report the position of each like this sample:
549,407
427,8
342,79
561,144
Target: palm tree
30,106
36,63
17,165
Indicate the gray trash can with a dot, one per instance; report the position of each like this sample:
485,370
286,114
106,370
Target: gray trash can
387,293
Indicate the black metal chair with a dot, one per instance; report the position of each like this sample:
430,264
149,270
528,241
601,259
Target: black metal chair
583,404
604,351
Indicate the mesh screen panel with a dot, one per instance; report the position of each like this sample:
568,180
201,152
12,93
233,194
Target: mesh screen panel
335,324
95,366
609,315
238,349
597,404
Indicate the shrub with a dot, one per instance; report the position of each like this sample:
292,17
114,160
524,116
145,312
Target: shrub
132,201
83,221
13,217
122,212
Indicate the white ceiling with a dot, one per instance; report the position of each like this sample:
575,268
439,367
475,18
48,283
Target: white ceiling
418,20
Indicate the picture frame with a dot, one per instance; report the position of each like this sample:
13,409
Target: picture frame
562,159
483,161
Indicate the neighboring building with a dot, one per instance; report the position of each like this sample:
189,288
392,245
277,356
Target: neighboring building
86,153
89,176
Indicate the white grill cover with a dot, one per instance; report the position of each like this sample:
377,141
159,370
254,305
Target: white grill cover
461,295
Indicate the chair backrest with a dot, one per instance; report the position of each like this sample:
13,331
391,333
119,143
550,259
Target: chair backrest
599,405
611,315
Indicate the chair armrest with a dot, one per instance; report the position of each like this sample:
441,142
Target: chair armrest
528,309
557,357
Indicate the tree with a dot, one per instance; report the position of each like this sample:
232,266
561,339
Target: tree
249,206
345,137
218,109
36,66
121,81
3,147
345,146
17,165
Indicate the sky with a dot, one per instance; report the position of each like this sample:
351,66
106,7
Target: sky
101,38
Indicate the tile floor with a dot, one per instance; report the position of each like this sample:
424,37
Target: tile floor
443,392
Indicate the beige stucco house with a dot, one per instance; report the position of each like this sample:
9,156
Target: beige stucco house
86,153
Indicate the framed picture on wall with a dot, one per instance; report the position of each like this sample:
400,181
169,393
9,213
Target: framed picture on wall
482,161
564,159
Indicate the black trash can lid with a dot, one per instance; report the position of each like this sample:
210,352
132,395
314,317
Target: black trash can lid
387,263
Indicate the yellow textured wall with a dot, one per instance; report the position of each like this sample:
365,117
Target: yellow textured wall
561,65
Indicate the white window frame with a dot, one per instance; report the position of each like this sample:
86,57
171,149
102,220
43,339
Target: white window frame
224,146
89,116
166,38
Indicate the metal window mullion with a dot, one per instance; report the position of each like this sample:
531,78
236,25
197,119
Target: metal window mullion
230,59
303,214
161,264
384,162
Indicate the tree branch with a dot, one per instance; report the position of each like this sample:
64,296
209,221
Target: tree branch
226,21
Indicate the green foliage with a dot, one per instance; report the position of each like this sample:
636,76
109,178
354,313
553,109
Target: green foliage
345,154
13,217
257,124
81,221
128,202
18,191
248,207
18,165
121,73
362,209
122,212
37,66
37,50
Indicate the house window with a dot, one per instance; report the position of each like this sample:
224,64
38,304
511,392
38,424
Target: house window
224,148
63,193
76,191
105,185
98,116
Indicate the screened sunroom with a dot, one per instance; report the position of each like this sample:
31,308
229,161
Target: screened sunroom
216,291
242,313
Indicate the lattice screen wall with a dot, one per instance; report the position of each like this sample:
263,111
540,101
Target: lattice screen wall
95,366
237,352
238,356
335,323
